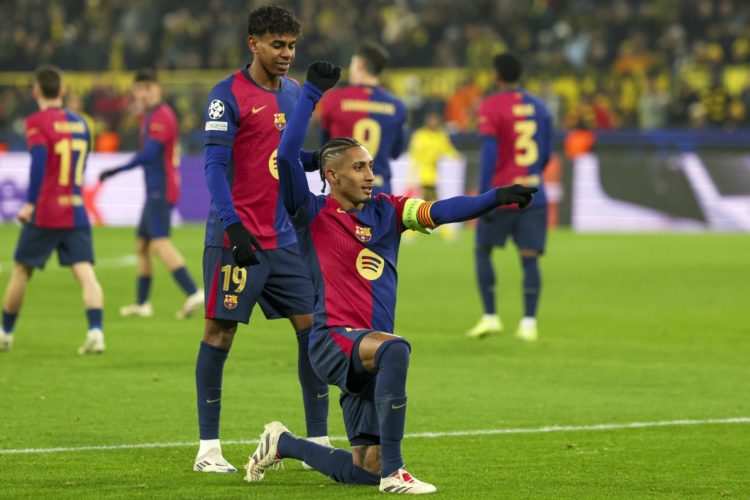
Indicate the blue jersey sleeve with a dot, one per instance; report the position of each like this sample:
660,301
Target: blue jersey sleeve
151,151
36,175
461,208
292,180
222,116
487,159
217,159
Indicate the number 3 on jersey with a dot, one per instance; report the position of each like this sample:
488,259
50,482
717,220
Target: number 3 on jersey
527,151
368,133
65,149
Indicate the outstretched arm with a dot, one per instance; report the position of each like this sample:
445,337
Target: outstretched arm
292,179
151,152
420,215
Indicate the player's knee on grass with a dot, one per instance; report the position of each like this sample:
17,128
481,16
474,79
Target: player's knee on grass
219,333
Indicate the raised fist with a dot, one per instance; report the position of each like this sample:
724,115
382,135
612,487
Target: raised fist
323,74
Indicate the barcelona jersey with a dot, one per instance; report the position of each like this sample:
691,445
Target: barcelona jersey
66,137
162,174
523,128
374,117
352,256
250,119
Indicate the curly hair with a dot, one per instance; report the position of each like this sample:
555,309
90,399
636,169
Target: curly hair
333,150
272,19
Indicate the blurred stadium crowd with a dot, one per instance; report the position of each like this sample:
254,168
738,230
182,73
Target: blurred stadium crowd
647,64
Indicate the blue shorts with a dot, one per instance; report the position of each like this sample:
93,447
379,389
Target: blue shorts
331,358
528,227
35,245
280,283
156,220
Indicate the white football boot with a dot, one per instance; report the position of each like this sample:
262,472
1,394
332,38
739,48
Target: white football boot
6,341
490,323
143,310
192,304
322,441
94,343
527,330
264,457
404,483
213,461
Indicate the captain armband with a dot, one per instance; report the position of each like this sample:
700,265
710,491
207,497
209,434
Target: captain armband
417,215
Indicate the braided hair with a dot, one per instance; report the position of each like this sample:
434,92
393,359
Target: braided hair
333,150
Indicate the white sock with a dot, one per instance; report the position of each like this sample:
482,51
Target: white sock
491,317
207,444
528,320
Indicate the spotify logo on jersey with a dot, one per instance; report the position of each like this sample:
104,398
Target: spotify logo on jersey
273,164
370,265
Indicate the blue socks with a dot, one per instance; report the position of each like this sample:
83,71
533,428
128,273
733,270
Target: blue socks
532,284
208,373
9,321
485,278
314,390
392,360
182,277
334,463
143,289
94,317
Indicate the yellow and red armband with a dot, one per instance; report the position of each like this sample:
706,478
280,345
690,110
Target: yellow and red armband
416,215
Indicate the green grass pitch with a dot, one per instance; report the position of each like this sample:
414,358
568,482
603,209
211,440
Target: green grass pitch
633,328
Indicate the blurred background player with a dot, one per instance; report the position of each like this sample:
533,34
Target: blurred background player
251,254
160,157
517,134
350,241
427,146
53,216
367,112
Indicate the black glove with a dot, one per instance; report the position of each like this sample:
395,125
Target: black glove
106,174
323,74
242,242
515,194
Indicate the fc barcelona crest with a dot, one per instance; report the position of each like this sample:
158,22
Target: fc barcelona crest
363,234
230,301
279,121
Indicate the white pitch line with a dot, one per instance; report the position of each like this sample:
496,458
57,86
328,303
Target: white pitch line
480,432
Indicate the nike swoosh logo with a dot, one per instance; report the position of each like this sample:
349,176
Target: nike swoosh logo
394,407
258,110
341,210
209,401
321,396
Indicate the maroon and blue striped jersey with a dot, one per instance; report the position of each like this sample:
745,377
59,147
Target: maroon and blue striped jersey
67,141
351,257
162,174
374,117
522,127
250,119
